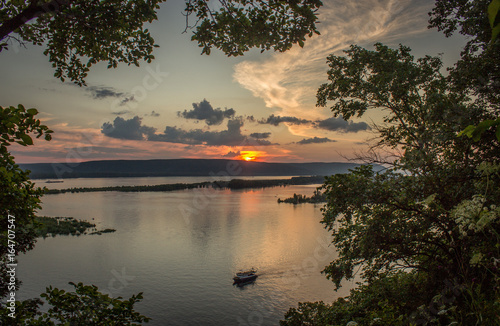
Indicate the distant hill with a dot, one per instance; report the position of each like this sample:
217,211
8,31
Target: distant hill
180,167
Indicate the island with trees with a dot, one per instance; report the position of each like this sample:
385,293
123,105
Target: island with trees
51,226
220,184
316,198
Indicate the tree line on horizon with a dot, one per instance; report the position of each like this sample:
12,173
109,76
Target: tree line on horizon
233,184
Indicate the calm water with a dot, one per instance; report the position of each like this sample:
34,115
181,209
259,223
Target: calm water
182,249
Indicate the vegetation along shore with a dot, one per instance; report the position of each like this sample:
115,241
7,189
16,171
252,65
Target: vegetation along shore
232,184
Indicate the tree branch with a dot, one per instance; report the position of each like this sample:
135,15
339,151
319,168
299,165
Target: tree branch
32,11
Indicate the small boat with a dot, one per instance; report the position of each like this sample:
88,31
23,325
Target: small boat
54,181
245,276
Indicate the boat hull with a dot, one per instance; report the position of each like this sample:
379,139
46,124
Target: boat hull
243,279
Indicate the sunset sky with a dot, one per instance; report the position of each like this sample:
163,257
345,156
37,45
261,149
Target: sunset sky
185,105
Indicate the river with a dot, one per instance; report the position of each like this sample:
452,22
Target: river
182,248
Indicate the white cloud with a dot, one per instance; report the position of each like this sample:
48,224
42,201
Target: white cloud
287,82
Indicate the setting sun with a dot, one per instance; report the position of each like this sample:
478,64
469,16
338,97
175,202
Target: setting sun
251,155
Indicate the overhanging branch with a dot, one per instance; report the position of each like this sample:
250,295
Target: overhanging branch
32,11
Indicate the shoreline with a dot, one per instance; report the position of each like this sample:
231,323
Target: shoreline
232,184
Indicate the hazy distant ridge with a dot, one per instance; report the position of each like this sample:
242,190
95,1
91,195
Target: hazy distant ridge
180,167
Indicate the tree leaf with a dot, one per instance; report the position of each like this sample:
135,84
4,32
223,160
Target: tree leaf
467,131
495,32
481,128
27,139
493,9
32,111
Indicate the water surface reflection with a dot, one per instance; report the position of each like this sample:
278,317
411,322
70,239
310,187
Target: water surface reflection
182,251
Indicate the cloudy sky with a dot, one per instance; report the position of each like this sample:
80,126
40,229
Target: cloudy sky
185,105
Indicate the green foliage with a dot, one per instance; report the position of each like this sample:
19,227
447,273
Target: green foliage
15,125
478,71
60,225
243,24
424,234
308,314
317,197
18,195
232,184
493,10
26,313
481,70
475,132
78,34
19,201
468,18
386,301
422,115
85,306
